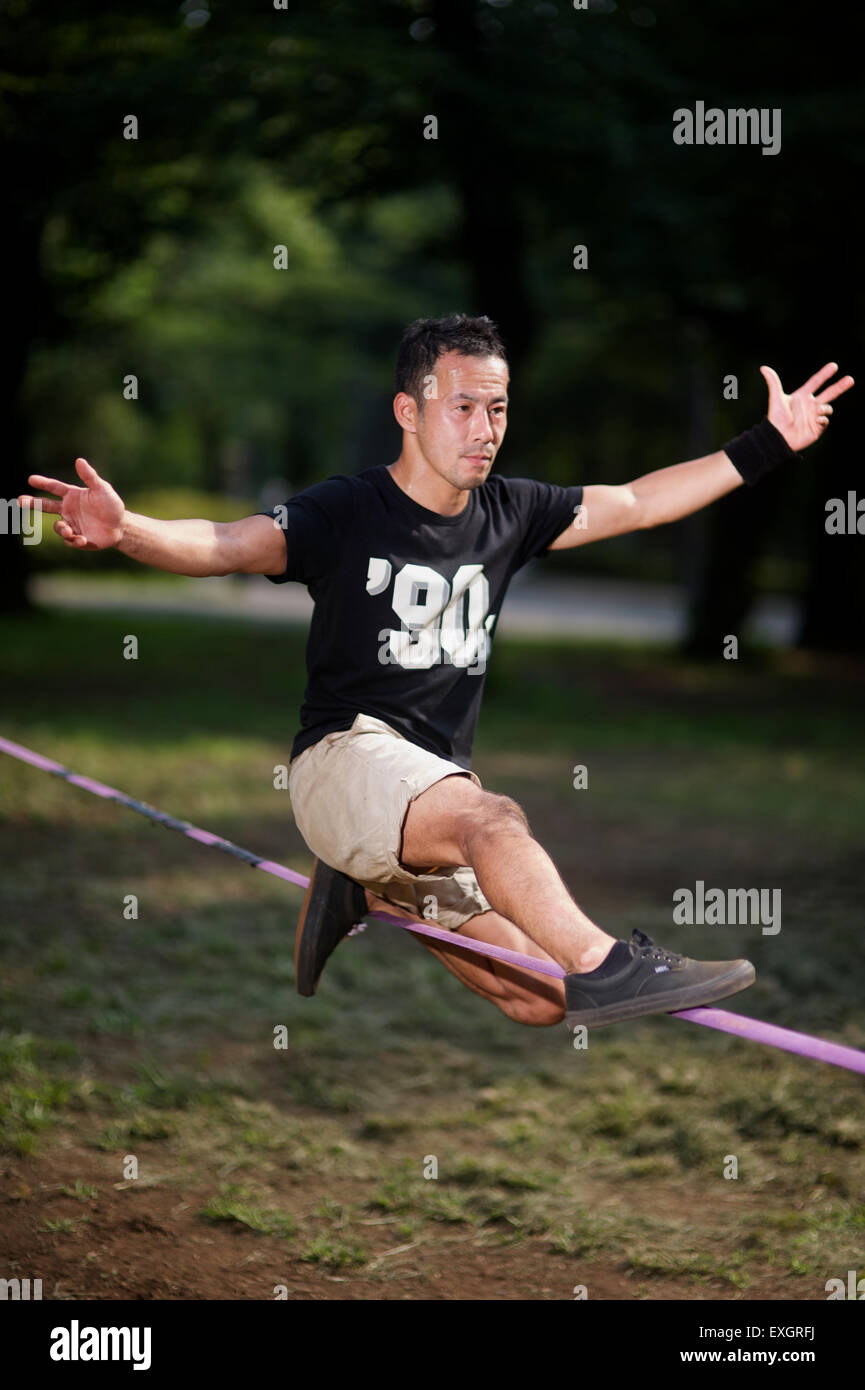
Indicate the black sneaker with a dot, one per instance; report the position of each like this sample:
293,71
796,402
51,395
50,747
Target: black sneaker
334,904
653,981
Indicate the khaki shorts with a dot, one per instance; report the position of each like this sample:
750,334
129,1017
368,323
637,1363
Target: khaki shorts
350,793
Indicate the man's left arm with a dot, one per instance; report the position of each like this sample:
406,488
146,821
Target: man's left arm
792,424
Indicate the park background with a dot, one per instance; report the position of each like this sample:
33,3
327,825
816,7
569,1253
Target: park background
304,127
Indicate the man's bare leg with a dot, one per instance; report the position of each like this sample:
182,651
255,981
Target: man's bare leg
535,999
455,822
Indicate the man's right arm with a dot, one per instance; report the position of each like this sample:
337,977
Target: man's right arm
93,517
253,545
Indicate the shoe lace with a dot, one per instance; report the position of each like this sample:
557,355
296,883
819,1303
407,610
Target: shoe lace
647,948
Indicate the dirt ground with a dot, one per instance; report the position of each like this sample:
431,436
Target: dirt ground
297,1175
142,1243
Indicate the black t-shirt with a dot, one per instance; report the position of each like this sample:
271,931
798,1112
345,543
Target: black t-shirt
406,600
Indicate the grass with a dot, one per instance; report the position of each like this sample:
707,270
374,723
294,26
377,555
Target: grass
30,1096
154,1035
63,1225
232,1205
82,1191
335,1254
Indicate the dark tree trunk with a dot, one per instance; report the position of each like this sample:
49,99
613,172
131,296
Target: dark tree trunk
24,311
732,535
491,239
834,604
14,555
737,528
739,525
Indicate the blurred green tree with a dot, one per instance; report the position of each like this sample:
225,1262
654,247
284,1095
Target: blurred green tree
553,128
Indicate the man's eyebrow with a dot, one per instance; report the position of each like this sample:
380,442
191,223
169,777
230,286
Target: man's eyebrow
467,396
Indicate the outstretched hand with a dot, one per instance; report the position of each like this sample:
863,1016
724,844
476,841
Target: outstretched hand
803,417
91,517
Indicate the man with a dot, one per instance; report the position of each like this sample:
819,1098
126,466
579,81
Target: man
408,565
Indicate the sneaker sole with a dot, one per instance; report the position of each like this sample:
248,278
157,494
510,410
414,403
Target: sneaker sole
709,992
301,924
302,967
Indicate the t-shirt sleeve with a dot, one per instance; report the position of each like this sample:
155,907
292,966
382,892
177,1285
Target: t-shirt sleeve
541,512
313,525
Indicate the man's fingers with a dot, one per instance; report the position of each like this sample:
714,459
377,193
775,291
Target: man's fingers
779,403
25,500
86,472
836,389
773,381
819,377
49,484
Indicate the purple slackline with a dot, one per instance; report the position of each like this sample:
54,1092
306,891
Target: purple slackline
818,1049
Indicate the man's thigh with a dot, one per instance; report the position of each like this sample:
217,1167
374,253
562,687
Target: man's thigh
436,822
432,828
350,795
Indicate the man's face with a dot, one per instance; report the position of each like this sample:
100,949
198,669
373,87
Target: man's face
464,422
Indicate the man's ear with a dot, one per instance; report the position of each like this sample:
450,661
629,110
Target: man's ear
406,411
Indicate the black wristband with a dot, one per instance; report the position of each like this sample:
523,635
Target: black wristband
758,450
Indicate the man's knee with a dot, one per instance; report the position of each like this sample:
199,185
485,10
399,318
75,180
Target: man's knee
442,821
493,813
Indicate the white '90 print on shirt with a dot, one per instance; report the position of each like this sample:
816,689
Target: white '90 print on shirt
432,613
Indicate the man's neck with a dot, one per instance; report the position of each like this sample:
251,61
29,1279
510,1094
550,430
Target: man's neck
428,488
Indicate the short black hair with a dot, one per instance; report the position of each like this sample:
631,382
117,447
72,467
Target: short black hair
426,340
